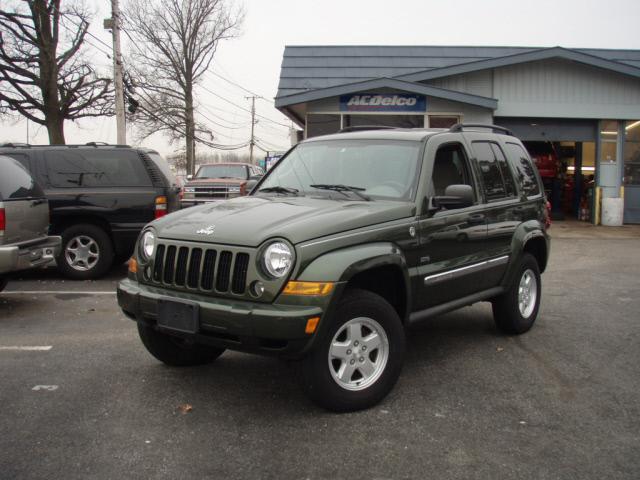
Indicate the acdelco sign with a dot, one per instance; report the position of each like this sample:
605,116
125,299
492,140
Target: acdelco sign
383,102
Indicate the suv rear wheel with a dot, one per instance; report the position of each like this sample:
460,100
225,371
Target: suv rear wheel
358,360
175,351
87,252
517,309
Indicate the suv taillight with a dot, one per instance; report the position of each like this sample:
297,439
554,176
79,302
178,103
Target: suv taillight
3,221
161,206
547,215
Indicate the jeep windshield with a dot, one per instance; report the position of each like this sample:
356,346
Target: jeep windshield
347,169
222,171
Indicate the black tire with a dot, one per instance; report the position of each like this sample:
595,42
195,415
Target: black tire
318,372
175,351
101,245
3,283
506,309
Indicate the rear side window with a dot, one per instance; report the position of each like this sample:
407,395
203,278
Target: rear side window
496,177
525,172
96,168
16,182
507,176
163,166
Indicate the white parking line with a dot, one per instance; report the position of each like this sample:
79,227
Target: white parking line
55,292
35,348
48,388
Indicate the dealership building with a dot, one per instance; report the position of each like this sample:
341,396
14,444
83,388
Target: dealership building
584,104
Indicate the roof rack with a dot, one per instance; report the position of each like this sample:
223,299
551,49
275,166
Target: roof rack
69,145
360,128
15,145
459,127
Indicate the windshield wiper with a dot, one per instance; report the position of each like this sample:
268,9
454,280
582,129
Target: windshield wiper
342,189
279,189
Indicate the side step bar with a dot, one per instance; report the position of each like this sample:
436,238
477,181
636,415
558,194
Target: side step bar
455,304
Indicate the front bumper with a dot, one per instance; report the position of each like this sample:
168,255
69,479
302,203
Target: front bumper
237,325
23,257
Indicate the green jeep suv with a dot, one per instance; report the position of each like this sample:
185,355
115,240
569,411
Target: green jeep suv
347,241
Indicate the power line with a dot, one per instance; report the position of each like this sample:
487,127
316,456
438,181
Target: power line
242,108
240,87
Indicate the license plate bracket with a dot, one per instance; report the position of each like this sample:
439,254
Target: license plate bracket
179,315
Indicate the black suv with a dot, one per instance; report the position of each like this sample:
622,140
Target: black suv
100,197
345,242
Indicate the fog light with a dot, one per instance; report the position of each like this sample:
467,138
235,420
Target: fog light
257,288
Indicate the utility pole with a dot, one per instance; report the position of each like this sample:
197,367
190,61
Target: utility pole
252,142
117,73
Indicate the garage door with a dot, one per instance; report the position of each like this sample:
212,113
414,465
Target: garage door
551,129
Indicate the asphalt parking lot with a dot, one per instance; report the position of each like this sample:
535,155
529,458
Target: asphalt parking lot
562,401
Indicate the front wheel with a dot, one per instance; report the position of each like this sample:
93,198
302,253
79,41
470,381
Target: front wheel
516,310
175,351
359,358
3,283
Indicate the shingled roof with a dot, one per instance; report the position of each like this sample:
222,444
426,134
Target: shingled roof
306,68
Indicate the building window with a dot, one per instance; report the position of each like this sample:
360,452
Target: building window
608,141
632,153
397,121
322,124
443,121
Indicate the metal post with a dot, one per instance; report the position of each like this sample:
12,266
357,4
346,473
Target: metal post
117,74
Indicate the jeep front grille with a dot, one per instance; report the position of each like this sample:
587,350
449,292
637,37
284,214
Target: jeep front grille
205,269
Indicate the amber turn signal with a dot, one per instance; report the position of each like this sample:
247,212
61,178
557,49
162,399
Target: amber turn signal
312,324
308,288
133,265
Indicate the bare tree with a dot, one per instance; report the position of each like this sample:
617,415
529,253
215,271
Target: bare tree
173,44
43,75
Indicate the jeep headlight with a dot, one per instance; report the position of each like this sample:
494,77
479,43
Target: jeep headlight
189,189
147,245
277,259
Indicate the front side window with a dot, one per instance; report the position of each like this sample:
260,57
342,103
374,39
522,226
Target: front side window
449,168
384,169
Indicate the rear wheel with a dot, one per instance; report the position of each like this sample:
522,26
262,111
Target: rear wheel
176,351
87,252
359,358
516,310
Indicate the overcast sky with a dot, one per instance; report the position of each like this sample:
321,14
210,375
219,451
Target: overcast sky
253,60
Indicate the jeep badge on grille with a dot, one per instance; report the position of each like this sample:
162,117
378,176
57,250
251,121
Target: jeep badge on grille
206,231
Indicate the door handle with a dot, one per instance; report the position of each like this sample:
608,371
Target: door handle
476,218
39,201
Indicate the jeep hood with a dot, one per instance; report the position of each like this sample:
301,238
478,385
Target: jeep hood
249,221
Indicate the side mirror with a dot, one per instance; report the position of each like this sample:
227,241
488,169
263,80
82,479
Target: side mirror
189,177
455,196
252,182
